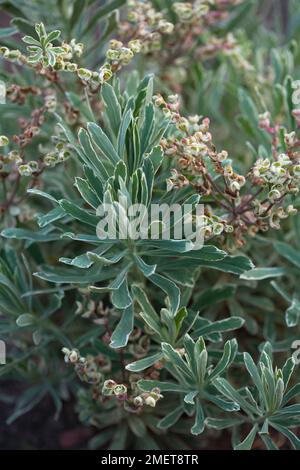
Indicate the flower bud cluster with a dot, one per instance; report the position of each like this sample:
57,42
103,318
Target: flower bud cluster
43,51
61,58
17,94
95,78
90,369
228,45
13,55
281,175
110,387
66,55
29,168
148,398
193,147
50,102
147,24
214,226
59,155
13,159
4,140
190,12
117,56
93,368
72,356
258,201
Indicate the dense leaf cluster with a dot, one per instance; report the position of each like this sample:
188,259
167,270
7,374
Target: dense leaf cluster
166,344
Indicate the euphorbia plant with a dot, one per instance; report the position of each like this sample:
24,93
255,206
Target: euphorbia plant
159,329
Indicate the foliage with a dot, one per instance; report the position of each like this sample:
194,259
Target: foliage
153,103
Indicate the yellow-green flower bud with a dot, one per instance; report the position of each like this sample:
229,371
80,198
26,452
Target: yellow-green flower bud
84,74
25,170
135,45
150,401
3,140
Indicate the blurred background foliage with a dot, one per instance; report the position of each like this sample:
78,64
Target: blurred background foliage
233,90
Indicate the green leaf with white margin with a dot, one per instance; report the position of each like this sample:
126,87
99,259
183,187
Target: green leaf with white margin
103,168
176,360
85,237
230,264
120,336
199,425
288,370
148,171
145,268
265,428
144,363
74,275
189,346
26,319
125,123
206,253
248,441
156,157
24,234
85,261
179,319
94,182
114,285
106,260
258,274
144,93
220,423
38,192
121,298
201,357
102,142
147,127
81,261
253,371
223,404
292,393
55,214
171,418
224,387
148,385
112,107
87,192
268,442
225,360
148,313
175,246
79,214
190,397
292,314
220,326
288,252
294,440
170,288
